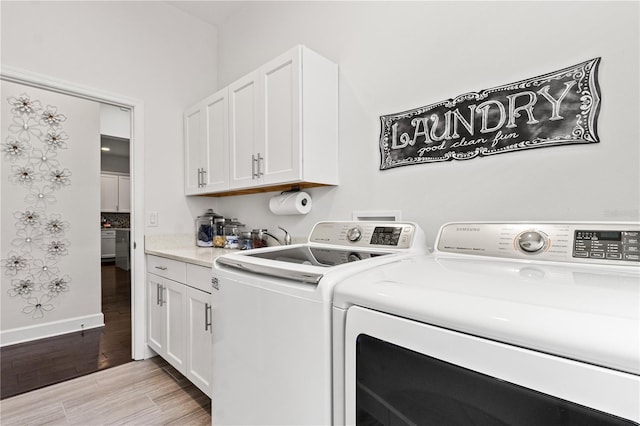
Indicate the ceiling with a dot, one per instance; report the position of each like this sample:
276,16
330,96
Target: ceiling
214,12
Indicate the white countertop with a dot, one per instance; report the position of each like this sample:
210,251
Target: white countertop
182,247
203,256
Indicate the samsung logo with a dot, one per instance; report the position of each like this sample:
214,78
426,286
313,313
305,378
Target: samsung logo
462,229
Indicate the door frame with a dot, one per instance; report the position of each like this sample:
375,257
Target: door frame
139,348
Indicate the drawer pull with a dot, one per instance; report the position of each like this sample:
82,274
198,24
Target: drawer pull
162,268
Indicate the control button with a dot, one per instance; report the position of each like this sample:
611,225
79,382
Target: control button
634,257
631,234
614,256
597,255
531,242
354,234
632,249
580,254
630,240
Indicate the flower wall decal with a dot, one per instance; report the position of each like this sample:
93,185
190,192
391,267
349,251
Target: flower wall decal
44,269
60,178
40,198
27,218
14,149
36,307
24,175
21,287
50,117
16,262
57,248
55,139
35,138
58,285
24,105
27,239
25,128
44,160
55,226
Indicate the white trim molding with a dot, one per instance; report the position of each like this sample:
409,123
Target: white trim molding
50,329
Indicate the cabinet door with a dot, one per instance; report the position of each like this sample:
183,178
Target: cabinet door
155,315
124,194
108,193
193,149
175,304
243,127
199,339
280,139
216,166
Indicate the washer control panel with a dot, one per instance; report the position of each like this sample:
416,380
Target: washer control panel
400,235
611,243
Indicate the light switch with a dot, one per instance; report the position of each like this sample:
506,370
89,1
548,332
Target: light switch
152,219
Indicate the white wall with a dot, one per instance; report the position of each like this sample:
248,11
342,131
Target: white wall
395,56
79,306
148,51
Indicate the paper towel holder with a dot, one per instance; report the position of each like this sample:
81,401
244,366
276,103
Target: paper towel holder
294,188
290,202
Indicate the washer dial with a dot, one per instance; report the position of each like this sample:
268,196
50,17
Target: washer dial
532,242
354,234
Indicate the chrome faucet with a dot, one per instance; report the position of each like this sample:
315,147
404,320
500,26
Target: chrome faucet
287,237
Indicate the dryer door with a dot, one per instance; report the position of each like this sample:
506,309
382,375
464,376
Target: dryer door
399,371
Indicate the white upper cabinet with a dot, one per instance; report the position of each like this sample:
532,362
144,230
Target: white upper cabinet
280,141
243,130
115,193
206,144
282,127
193,147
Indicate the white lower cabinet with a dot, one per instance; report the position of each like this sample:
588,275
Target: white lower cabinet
175,304
166,305
156,321
200,339
179,317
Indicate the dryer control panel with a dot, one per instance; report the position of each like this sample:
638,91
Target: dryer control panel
578,242
614,245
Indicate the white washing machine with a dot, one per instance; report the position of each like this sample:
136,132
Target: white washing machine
514,324
272,320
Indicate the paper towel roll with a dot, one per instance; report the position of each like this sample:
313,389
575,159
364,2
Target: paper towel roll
290,203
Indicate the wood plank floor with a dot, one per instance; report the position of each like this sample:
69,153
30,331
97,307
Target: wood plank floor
32,365
149,392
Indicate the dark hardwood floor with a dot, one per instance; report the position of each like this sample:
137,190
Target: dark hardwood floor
32,365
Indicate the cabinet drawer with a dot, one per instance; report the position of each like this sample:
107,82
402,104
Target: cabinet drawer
168,268
199,277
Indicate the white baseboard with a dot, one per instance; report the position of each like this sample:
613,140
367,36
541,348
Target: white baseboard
50,329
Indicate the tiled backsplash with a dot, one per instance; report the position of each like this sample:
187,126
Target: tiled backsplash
117,220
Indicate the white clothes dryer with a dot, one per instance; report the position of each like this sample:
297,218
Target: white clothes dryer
515,324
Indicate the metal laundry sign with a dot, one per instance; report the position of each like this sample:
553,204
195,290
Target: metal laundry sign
557,108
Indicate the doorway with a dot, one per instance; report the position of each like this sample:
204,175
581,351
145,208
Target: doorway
115,227
133,280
